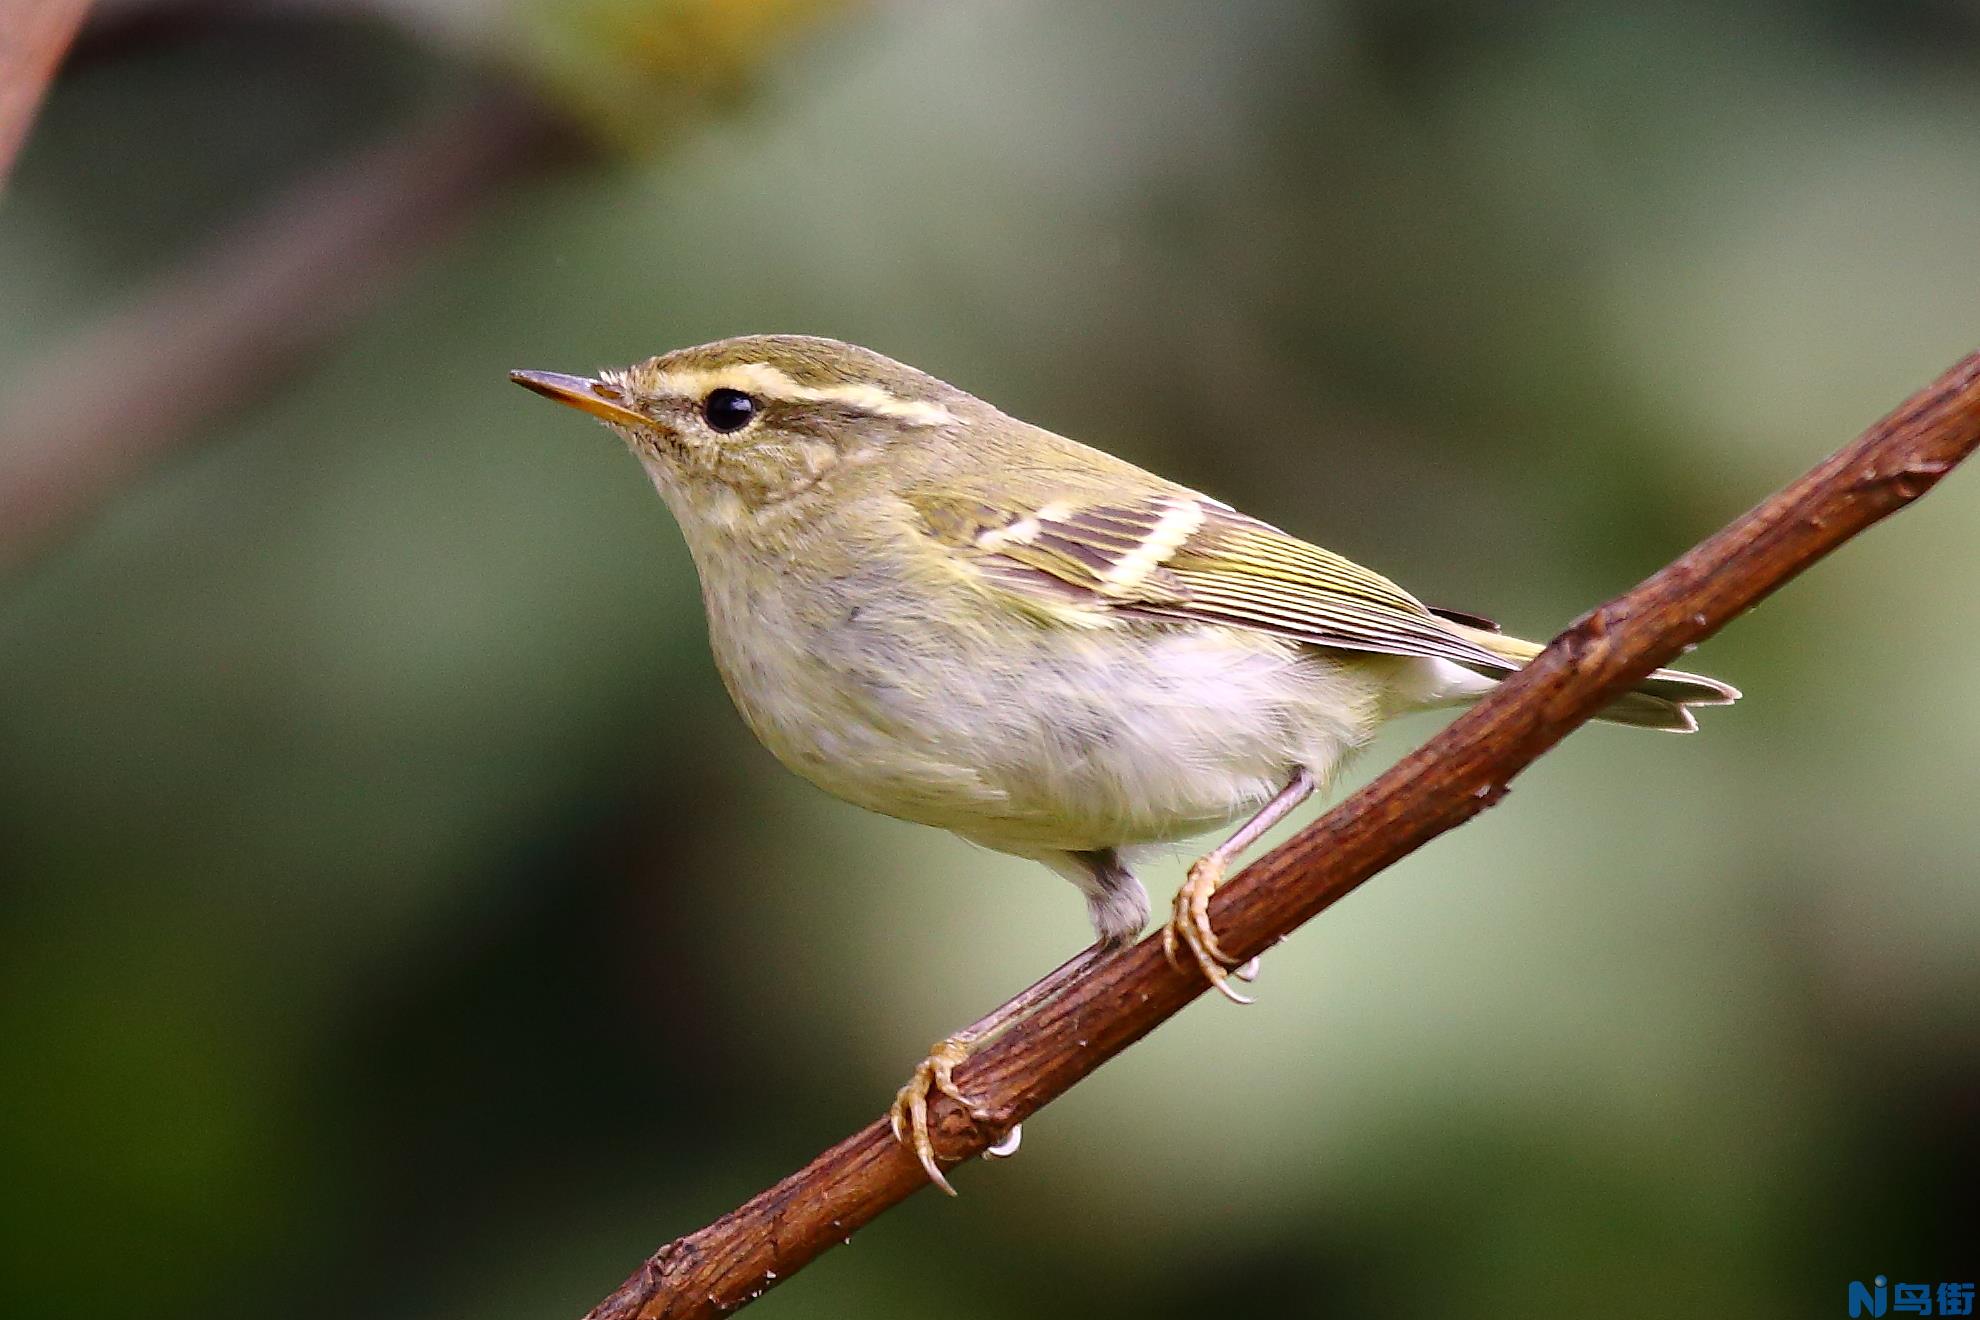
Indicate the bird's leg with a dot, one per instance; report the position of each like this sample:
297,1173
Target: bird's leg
1119,908
1190,923
936,1073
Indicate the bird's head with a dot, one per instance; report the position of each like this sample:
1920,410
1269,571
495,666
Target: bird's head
732,427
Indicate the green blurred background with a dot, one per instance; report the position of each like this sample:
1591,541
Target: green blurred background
398,922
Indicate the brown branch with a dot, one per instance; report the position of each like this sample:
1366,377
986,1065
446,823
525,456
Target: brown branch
33,40
1452,778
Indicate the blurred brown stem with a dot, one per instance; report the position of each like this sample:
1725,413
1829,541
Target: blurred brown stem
33,39
226,327
1452,778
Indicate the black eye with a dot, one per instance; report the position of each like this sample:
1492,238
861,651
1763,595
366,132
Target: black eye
728,410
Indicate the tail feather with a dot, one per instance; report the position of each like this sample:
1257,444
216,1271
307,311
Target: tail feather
1663,700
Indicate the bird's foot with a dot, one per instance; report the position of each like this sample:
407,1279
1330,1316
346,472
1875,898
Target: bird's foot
1005,1146
1189,926
935,1075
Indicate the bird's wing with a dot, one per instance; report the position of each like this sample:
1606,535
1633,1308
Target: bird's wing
1180,556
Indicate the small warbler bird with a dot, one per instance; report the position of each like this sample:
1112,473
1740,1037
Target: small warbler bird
941,613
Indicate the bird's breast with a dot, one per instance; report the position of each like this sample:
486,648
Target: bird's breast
1022,736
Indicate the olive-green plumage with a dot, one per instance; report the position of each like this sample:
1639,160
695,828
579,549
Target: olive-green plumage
942,613
945,614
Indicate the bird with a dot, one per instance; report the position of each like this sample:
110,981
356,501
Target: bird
941,613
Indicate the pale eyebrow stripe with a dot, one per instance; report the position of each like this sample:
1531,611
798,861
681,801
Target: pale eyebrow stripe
766,381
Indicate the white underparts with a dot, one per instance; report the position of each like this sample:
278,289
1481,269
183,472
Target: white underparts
1427,684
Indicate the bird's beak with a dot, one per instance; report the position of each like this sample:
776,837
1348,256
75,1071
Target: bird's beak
601,399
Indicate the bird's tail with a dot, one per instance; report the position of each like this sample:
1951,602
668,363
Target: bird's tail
1663,700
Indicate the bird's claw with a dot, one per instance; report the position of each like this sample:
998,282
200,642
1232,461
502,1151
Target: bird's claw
1189,925
1005,1146
909,1115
